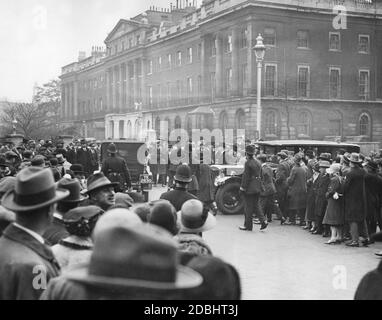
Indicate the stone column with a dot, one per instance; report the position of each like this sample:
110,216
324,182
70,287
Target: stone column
128,97
143,81
113,89
235,62
120,77
251,63
219,66
135,81
71,112
75,98
204,69
116,129
107,90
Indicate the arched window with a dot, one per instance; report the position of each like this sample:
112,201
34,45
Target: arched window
270,123
304,123
111,129
121,129
223,121
129,130
178,122
364,125
240,119
168,125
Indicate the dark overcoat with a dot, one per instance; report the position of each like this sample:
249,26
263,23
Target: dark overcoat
370,286
311,198
282,174
334,214
322,188
373,185
297,188
268,183
177,197
252,171
354,202
206,184
117,165
83,157
22,260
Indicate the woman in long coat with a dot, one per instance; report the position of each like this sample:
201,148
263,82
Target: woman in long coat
297,191
334,215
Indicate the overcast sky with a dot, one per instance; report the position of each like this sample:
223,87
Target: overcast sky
38,37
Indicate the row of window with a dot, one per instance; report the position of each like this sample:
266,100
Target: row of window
159,63
303,82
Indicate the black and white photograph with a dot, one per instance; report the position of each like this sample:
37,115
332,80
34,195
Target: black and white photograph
189,150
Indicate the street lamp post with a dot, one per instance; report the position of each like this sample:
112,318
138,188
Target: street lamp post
259,52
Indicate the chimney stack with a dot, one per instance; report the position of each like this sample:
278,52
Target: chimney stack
81,55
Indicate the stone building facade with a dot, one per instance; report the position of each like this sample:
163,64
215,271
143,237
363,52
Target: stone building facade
318,80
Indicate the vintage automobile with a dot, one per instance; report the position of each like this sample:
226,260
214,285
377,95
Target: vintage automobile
129,150
228,177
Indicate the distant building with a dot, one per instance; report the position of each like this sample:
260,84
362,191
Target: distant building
318,82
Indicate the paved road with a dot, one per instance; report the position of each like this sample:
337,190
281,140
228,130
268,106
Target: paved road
286,262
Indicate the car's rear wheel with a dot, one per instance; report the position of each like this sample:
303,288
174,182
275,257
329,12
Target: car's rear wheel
228,198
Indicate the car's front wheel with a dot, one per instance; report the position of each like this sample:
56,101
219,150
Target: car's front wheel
228,198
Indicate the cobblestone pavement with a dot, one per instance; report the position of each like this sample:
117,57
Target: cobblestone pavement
287,262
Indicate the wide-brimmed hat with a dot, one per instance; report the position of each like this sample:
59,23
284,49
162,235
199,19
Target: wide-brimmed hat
183,174
324,164
195,217
345,158
74,187
112,148
34,189
77,168
354,158
97,181
139,256
334,168
250,149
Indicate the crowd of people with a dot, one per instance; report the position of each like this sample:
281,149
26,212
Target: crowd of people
70,235
70,229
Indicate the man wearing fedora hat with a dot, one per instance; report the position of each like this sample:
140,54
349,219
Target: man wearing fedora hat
251,187
130,261
57,231
101,191
22,246
282,174
355,201
179,195
116,170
